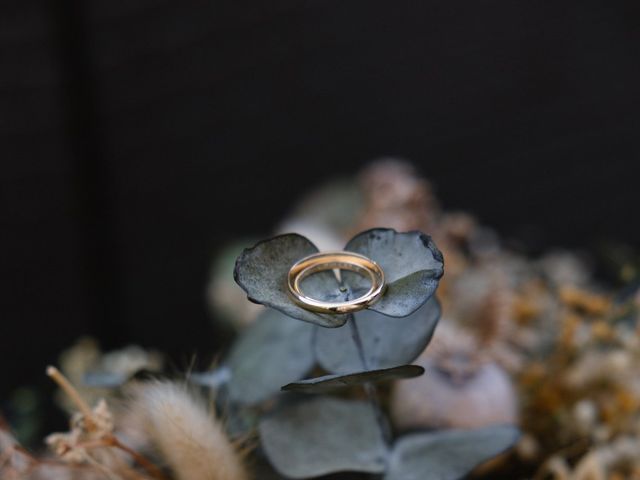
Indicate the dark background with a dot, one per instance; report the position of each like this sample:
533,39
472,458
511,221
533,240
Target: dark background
138,136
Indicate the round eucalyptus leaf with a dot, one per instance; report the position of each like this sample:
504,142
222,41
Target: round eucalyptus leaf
412,265
105,379
449,454
321,436
386,342
276,349
262,272
331,382
212,379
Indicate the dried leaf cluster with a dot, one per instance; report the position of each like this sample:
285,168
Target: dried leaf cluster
157,430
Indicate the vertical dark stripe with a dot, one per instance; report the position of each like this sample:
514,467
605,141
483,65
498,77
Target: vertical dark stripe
93,179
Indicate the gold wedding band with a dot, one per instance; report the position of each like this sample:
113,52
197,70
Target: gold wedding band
331,261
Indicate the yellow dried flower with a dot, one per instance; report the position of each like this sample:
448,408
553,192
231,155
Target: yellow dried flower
602,331
525,309
626,401
586,302
570,324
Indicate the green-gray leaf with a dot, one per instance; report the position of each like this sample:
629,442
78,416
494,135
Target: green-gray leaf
447,455
262,271
212,379
321,436
386,342
412,267
331,382
276,349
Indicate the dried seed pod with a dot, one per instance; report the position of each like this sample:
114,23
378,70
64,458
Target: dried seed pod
395,196
458,390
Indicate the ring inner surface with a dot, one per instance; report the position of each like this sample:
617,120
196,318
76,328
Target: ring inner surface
334,265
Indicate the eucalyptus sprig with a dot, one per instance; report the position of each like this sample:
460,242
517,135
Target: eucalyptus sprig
306,436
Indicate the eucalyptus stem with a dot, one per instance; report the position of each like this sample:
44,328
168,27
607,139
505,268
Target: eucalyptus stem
369,388
355,335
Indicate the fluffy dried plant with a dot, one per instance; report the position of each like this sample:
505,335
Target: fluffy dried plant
90,450
178,426
181,440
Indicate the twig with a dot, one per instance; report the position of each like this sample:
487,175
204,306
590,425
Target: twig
145,463
5,457
113,441
108,440
73,394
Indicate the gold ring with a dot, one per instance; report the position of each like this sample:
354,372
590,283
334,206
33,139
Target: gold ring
320,262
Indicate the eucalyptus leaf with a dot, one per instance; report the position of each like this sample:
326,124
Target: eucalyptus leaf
321,436
331,382
262,272
412,265
447,455
386,342
213,379
275,350
105,379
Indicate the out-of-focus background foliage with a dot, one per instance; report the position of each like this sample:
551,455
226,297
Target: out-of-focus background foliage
137,137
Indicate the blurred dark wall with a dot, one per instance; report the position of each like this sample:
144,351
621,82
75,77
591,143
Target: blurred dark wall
137,136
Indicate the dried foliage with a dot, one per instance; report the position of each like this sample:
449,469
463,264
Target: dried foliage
183,431
507,340
161,431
